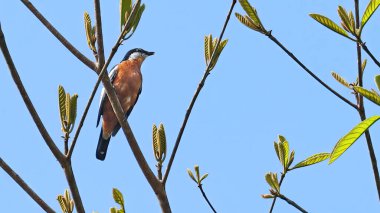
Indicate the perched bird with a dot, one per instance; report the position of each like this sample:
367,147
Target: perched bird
126,78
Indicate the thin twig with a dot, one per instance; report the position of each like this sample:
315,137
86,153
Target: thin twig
292,203
205,197
360,103
365,48
36,118
200,86
275,198
59,36
25,186
271,37
99,34
159,170
83,118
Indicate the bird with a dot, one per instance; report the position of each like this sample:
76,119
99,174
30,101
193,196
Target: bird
126,79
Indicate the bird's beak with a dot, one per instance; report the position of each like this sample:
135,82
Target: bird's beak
149,53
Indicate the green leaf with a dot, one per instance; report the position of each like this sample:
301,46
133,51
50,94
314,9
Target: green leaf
155,142
73,110
277,151
329,24
90,36
371,8
191,175
218,51
68,110
316,158
113,210
125,6
291,158
204,177
346,141
248,22
138,17
161,143
340,79
118,196
372,96
196,169
62,104
345,19
282,153
62,203
377,81
251,11
364,64
207,50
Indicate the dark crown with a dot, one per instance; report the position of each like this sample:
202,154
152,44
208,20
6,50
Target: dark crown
139,50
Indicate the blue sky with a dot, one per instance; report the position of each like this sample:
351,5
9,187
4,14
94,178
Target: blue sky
254,93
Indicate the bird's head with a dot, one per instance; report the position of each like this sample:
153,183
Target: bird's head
137,54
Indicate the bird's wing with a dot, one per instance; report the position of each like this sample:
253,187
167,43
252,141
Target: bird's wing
103,95
117,127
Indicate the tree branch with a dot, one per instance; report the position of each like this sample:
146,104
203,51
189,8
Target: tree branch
365,48
68,169
59,36
292,203
205,197
360,103
200,86
99,34
25,186
36,118
291,55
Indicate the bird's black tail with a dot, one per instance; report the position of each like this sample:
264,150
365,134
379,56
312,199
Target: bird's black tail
101,150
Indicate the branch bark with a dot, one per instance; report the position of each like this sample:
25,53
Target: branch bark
99,34
59,36
360,103
200,86
25,186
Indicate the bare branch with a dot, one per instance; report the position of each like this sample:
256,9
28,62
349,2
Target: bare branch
25,186
68,169
200,86
291,55
99,34
59,36
292,203
36,118
205,197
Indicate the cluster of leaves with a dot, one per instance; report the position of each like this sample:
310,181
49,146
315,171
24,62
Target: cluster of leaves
119,199
159,143
348,22
66,203
286,159
212,52
197,178
127,13
67,109
251,20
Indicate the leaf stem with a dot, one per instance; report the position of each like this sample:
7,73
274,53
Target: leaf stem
200,86
25,186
